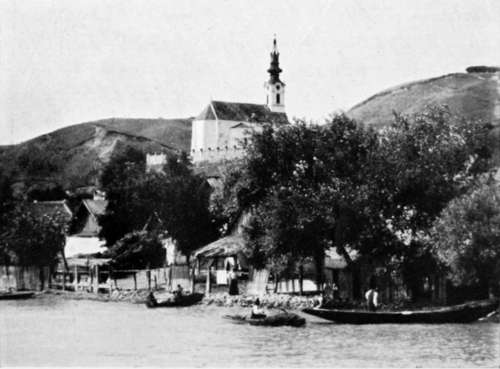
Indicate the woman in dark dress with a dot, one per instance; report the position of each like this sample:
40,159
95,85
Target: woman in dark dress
233,283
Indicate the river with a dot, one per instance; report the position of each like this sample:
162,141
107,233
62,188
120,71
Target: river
53,331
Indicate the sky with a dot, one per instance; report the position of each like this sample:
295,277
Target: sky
65,62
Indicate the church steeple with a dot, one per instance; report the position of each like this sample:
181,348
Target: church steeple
275,88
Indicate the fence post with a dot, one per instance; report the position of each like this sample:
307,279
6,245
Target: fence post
148,275
192,279
75,278
135,281
207,284
96,279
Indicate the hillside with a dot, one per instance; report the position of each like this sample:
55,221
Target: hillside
474,95
73,156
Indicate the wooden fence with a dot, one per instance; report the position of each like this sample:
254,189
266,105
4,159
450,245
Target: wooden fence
24,278
92,279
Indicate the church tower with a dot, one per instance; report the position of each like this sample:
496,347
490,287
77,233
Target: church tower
275,89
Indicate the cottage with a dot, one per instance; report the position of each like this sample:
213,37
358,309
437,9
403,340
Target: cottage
84,233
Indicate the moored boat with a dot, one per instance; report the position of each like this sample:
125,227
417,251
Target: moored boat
280,319
178,301
464,313
16,295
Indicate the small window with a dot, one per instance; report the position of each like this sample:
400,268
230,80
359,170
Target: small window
278,99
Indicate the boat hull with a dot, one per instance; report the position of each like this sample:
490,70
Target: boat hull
186,300
465,313
16,295
277,320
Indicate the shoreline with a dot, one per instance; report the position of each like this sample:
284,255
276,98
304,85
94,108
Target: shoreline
271,301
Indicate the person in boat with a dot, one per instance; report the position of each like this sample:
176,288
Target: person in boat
372,296
178,293
257,311
151,300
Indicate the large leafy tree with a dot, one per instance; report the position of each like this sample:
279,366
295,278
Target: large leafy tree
176,200
305,184
466,237
33,239
312,187
121,180
424,161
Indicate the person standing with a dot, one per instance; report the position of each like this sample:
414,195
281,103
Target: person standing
372,296
233,283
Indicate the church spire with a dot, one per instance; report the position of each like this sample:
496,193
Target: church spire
275,88
274,70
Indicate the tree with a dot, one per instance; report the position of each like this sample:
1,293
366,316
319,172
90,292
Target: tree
177,197
305,184
423,161
137,250
6,206
34,240
120,180
466,237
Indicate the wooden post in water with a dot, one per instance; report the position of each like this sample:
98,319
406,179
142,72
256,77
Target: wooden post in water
135,281
148,275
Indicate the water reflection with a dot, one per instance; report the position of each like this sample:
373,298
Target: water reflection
52,331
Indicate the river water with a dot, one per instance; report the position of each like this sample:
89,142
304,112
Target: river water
52,331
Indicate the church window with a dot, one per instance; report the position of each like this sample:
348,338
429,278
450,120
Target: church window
278,99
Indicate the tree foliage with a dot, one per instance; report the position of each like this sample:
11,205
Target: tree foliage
137,250
33,239
310,187
466,236
176,200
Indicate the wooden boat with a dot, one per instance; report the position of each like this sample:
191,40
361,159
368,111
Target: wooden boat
276,320
464,313
184,300
16,295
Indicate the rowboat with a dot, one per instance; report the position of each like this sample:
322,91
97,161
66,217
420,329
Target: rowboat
179,301
276,320
17,295
464,313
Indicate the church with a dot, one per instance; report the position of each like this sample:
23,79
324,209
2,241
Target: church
220,131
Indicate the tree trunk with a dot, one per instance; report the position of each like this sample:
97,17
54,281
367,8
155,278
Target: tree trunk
301,279
320,270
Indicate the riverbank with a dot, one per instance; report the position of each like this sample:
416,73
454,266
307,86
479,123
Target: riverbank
270,301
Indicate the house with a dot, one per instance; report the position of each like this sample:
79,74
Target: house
52,209
84,233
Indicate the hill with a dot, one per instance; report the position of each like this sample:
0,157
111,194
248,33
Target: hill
474,95
73,156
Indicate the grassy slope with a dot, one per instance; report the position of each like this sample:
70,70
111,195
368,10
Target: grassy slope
475,96
471,95
79,152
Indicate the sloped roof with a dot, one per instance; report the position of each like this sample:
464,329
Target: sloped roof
51,209
226,246
95,207
254,113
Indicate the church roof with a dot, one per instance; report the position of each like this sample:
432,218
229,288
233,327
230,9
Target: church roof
252,113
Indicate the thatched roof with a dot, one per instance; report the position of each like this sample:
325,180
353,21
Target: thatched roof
226,246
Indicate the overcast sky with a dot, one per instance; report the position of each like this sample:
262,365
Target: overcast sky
65,62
